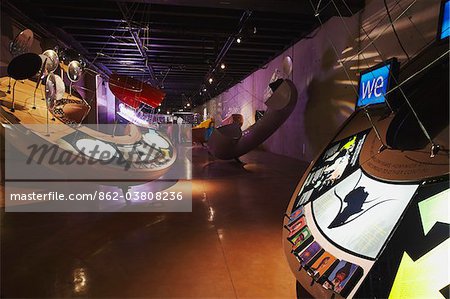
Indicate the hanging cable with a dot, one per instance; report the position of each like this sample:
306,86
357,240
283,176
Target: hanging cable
434,147
395,31
362,54
372,41
397,3
317,15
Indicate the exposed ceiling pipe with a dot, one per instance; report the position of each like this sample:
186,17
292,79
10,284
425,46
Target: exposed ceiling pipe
226,47
139,45
244,18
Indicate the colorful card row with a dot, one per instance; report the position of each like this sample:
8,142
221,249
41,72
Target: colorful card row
337,275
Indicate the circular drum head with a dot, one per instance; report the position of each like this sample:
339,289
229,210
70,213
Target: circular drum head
54,89
287,66
22,43
60,87
24,66
52,61
74,71
50,91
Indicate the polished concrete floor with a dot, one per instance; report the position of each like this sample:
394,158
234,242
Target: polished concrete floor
229,246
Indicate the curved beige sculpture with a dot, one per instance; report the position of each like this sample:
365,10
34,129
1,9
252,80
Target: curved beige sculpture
229,142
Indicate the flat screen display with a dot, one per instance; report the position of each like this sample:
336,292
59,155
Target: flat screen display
444,30
373,85
359,213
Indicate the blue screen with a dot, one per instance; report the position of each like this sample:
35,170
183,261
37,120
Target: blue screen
373,86
445,32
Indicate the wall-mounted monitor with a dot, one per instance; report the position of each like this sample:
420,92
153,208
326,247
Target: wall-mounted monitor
375,82
444,20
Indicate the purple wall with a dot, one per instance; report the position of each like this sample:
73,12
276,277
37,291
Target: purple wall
326,94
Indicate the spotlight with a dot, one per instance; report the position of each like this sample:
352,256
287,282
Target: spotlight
210,80
223,66
239,40
204,89
189,105
168,112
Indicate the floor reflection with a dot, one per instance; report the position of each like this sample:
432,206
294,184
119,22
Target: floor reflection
228,246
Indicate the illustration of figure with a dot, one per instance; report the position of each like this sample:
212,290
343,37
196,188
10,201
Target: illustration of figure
322,266
300,238
355,200
341,160
337,163
341,276
357,204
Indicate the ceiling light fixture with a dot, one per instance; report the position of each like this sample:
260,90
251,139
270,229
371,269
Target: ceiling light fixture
210,80
239,40
223,66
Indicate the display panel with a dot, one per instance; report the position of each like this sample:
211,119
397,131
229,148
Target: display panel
360,213
375,82
309,253
295,215
444,23
323,263
296,226
341,277
300,237
337,162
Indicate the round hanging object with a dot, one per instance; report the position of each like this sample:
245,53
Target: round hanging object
21,43
287,66
68,55
60,87
52,61
24,66
54,89
74,71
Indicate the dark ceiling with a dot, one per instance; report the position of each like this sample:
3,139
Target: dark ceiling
178,42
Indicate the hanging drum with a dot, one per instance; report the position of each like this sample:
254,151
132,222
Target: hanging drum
22,43
24,66
52,60
54,90
133,92
287,66
74,71
68,55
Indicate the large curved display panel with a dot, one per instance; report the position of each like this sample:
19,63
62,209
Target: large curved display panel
369,218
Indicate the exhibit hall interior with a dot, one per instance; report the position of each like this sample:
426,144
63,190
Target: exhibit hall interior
224,149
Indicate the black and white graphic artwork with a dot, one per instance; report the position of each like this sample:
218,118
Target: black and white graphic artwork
359,213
